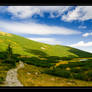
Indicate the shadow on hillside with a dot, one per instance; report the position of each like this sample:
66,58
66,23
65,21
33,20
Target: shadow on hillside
37,52
43,59
69,57
80,53
42,54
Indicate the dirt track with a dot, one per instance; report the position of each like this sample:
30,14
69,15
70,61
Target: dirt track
11,78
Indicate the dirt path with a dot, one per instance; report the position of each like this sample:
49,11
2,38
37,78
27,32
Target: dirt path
11,78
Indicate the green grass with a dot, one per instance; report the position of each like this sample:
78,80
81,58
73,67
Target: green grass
28,47
4,68
40,57
32,75
81,70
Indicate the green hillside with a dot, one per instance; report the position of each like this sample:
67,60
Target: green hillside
28,47
57,62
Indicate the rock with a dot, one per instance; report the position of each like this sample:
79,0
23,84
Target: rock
36,73
42,48
28,73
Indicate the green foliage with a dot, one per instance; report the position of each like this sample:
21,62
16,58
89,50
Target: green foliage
67,58
10,61
59,72
1,80
53,59
4,68
23,46
9,52
32,75
74,70
80,76
63,66
37,62
20,46
77,70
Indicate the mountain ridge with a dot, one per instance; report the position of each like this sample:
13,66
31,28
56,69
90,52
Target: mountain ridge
23,45
41,60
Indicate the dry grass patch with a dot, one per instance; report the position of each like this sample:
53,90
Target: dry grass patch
33,76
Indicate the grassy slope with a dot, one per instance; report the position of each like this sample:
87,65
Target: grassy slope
31,75
24,46
27,47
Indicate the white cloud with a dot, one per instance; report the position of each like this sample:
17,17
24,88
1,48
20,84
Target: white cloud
22,11
87,34
28,11
79,13
82,27
46,40
34,28
82,44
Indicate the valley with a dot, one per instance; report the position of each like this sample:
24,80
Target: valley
42,64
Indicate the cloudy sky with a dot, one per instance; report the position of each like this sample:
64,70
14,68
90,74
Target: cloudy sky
64,25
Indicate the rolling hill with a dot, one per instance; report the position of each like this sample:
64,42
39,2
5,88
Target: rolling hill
45,65
23,46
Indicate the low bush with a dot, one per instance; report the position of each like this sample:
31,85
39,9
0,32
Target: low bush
74,70
59,72
11,62
1,80
80,76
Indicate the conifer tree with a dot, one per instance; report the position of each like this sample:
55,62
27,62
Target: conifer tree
9,52
10,59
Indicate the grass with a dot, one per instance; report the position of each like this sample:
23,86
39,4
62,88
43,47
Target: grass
4,68
31,75
77,70
38,58
25,46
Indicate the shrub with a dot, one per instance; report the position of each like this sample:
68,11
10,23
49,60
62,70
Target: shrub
67,58
3,55
80,76
76,70
60,72
53,59
37,62
77,64
10,61
89,74
1,80
63,66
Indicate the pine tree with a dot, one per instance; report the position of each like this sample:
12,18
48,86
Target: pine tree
10,59
9,52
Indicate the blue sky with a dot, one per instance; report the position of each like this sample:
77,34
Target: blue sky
64,25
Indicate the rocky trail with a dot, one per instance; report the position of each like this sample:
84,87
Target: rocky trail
11,78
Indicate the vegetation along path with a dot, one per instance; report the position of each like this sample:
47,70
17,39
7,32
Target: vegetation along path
11,78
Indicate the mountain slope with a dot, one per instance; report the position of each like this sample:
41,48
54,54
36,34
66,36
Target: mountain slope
32,75
37,56
28,47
